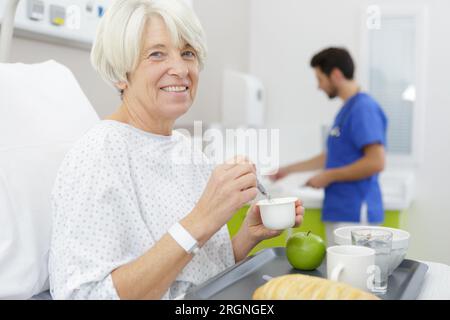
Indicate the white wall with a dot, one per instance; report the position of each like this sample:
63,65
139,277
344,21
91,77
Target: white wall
285,34
429,218
227,28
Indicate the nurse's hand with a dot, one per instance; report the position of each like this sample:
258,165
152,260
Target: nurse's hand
281,173
322,180
255,228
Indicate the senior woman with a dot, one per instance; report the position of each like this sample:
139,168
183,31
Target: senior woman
131,220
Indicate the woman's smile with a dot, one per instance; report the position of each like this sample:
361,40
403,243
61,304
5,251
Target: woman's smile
176,93
175,89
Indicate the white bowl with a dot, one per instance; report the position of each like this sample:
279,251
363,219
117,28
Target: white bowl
400,242
278,214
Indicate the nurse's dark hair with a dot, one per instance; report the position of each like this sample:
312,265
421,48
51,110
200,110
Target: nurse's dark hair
331,58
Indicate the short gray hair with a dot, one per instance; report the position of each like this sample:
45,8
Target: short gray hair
118,43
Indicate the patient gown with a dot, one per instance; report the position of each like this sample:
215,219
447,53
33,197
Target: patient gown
117,192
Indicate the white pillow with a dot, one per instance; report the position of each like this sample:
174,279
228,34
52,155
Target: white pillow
41,103
42,112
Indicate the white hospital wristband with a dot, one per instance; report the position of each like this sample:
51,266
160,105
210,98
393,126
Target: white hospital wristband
184,238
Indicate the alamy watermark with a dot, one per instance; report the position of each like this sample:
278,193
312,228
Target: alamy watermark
73,17
260,146
373,21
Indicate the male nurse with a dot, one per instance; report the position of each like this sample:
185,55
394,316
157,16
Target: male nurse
355,152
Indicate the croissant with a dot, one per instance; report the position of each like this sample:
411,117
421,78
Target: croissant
302,287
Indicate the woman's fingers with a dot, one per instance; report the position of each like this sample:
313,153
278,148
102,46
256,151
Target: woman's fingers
231,163
252,210
245,181
298,220
249,194
274,233
300,210
253,216
240,170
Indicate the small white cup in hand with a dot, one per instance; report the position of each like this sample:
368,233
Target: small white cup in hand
278,214
351,264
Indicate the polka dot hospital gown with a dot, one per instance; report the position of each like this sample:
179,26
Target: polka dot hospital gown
116,194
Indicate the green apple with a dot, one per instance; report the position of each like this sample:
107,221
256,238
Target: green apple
305,251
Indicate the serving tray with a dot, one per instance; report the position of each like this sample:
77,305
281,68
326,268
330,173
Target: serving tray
241,280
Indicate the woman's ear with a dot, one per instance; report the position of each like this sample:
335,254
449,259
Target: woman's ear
121,85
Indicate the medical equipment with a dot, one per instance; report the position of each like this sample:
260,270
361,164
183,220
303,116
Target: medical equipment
67,22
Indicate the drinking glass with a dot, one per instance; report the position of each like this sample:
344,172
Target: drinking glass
381,242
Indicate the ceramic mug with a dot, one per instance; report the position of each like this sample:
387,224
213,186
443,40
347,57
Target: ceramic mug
352,265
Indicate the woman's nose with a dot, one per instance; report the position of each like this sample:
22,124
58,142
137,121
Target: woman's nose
178,68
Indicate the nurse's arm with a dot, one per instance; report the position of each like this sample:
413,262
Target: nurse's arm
371,163
316,163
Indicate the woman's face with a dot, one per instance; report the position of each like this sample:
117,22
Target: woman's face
165,80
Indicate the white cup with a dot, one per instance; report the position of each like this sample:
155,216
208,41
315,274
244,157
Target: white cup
277,214
352,265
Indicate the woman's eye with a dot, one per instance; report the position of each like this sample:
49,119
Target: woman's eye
189,54
156,54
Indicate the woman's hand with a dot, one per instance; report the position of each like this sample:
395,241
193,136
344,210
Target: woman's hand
230,186
253,231
255,228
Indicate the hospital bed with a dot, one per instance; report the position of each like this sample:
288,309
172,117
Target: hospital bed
42,112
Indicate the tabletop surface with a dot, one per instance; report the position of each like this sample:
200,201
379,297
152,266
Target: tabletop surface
436,284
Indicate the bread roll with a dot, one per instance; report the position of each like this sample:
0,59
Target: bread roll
302,287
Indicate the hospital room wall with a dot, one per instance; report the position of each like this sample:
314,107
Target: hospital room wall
223,52
227,28
284,35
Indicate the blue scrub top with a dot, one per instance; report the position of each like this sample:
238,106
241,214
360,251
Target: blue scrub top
361,122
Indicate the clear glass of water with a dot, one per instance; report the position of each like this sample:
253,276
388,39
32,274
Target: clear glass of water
381,242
